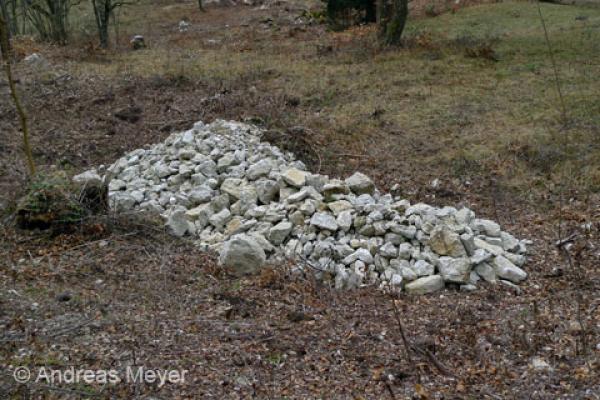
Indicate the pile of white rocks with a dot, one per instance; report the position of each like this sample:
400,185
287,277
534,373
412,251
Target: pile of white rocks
253,204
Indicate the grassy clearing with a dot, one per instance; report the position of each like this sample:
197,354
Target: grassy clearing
439,105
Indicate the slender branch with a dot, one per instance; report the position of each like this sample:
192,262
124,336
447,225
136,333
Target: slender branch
401,328
554,67
5,47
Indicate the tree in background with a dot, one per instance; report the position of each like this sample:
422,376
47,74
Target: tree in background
392,20
5,50
49,18
104,12
390,15
9,9
340,11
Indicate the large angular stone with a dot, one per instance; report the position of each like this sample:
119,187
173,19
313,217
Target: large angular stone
455,270
267,191
490,248
487,272
333,188
324,221
219,219
279,232
445,242
360,183
388,250
200,195
423,268
509,242
260,169
232,186
425,285
177,223
344,220
294,177
337,207
361,254
507,270
200,214
486,226
242,255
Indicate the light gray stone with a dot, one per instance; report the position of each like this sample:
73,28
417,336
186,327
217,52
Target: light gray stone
297,218
242,255
486,271
361,254
333,188
405,251
486,226
425,285
423,268
408,274
324,221
344,220
177,223
455,270
388,250
294,177
480,256
232,187
267,191
279,232
339,206
490,248
219,219
464,216
258,170
200,195
360,183
445,242
121,201
507,270
517,259
396,280
509,242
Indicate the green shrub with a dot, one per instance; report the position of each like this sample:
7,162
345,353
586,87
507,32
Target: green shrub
51,201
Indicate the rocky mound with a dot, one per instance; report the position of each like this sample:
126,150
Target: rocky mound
251,202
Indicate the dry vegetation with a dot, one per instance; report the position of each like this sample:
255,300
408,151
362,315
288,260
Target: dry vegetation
470,99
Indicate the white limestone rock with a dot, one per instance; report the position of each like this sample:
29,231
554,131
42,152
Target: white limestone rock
507,270
324,221
455,270
242,255
445,242
294,177
360,183
425,285
279,232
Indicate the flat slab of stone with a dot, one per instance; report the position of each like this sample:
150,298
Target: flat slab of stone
425,285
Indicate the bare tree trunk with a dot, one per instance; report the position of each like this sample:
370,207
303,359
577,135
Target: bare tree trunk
102,10
200,6
392,20
4,46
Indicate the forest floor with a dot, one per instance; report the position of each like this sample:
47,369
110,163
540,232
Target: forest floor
470,100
